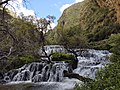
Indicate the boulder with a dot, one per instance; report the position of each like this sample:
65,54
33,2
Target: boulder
77,76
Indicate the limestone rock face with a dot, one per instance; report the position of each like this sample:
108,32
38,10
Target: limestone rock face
95,20
112,4
78,13
117,8
90,15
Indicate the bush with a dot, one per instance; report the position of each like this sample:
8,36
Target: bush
14,62
27,58
68,58
100,45
109,77
114,41
62,57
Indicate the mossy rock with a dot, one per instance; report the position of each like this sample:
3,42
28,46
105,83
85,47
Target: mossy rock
62,57
68,58
15,62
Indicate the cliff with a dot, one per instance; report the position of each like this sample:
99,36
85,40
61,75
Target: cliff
111,4
89,22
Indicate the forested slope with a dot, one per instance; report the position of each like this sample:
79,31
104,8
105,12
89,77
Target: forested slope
87,24
19,41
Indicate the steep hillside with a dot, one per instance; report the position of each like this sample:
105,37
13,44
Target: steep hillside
111,4
93,20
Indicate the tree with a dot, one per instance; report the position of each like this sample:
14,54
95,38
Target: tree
42,27
5,26
114,41
4,2
108,78
23,44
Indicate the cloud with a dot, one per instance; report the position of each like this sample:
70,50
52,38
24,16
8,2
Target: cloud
68,5
64,7
18,7
76,1
53,25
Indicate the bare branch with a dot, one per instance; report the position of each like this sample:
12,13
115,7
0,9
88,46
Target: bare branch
4,11
11,35
12,7
9,53
6,1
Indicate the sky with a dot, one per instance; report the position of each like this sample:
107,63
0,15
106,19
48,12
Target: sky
41,8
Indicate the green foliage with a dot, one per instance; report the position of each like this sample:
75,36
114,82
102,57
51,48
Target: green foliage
88,26
115,58
104,32
25,43
114,41
27,59
14,62
109,77
62,57
71,38
24,32
100,45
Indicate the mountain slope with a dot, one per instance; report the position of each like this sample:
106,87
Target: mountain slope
91,20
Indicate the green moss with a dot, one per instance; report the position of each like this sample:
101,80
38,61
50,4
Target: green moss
62,57
14,62
27,58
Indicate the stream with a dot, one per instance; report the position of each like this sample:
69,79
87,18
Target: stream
44,76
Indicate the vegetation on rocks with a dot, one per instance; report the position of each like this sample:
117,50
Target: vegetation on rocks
17,36
62,57
108,78
95,24
90,25
68,58
20,40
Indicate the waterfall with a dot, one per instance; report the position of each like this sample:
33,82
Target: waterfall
89,62
37,72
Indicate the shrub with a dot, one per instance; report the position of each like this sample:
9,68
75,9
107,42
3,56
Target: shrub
14,62
109,77
62,57
28,58
68,58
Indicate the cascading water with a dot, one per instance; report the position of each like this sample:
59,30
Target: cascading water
90,61
51,76
38,72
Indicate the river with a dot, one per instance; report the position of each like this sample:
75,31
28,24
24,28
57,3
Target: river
44,76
